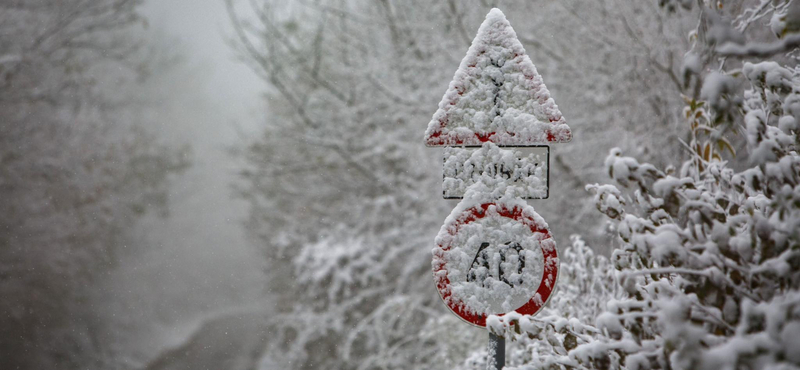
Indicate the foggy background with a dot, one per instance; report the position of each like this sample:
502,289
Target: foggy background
193,184
179,266
196,264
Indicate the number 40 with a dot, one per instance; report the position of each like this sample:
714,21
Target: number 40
482,258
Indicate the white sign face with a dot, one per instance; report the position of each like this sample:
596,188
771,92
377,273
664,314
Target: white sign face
497,95
494,258
499,265
527,169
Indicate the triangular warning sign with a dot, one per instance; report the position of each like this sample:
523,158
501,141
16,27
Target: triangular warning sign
497,96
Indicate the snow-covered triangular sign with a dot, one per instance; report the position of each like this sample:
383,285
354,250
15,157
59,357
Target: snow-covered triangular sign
497,96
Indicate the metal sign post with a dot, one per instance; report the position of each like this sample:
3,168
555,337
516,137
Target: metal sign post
495,254
497,352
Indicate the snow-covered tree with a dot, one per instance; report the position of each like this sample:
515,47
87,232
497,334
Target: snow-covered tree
75,172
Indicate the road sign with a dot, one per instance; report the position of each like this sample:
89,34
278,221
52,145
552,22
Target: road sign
494,258
494,254
497,95
528,169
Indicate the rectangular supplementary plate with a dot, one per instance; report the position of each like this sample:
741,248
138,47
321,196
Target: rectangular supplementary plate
526,169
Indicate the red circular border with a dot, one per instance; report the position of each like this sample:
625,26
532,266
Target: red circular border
549,275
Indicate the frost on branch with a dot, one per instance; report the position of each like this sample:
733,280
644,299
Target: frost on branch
710,258
698,255
496,95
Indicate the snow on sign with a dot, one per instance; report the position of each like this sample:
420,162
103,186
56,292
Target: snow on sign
494,254
497,96
493,258
527,168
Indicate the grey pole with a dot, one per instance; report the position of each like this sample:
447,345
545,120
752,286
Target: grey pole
497,352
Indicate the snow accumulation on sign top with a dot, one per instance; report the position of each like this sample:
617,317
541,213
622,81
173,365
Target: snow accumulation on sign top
497,96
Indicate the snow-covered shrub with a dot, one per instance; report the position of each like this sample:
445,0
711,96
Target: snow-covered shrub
710,255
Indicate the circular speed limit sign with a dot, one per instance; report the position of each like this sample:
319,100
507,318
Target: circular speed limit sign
494,258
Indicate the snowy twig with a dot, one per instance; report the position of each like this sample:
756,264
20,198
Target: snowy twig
755,49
